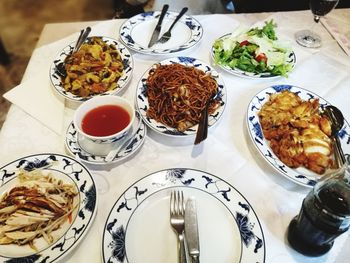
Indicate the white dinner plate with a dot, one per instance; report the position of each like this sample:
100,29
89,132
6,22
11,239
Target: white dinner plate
160,128
136,33
301,176
122,81
69,235
291,59
138,228
74,148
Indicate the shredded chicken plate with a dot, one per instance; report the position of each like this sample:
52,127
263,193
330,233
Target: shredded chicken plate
34,208
298,134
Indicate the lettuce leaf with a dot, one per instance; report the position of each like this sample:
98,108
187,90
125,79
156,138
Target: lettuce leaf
230,51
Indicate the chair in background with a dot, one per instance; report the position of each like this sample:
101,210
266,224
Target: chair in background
4,56
254,6
129,8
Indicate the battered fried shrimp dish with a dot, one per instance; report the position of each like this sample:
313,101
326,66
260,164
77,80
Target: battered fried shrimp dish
177,95
94,69
298,134
34,208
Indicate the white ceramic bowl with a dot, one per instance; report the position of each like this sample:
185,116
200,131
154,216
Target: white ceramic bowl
101,145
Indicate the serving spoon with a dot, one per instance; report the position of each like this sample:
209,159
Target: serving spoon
81,39
202,131
84,33
337,122
124,142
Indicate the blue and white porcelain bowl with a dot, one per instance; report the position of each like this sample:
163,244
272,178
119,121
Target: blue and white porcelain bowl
56,80
101,145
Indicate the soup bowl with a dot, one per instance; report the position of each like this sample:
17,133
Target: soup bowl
101,122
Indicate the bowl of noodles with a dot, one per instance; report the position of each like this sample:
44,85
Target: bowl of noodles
102,65
172,94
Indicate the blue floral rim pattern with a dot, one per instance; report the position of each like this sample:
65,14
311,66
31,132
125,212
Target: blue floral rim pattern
55,76
86,209
126,30
301,176
142,100
116,226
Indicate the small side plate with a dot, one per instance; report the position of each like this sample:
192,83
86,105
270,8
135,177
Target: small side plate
136,32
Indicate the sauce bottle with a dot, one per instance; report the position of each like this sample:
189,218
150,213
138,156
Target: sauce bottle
324,215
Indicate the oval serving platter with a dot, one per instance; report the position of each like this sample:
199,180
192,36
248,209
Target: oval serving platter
300,176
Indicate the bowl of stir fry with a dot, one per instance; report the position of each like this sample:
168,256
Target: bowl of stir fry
102,65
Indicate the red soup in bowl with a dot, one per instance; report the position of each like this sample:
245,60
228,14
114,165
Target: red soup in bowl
105,120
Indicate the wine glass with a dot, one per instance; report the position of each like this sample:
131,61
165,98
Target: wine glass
319,8
102,183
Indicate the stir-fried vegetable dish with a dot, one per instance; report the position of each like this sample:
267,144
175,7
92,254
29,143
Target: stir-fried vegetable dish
94,69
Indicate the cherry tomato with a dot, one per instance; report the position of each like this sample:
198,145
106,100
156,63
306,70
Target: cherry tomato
244,43
261,57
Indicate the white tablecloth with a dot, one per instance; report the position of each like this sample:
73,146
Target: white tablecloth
228,152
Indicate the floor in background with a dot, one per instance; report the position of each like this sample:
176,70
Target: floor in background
21,23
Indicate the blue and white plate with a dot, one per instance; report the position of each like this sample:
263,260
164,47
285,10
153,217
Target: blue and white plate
74,148
301,176
291,59
138,227
122,81
136,33
142,100
68,236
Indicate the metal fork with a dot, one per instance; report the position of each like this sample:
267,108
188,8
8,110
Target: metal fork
177,221
167,35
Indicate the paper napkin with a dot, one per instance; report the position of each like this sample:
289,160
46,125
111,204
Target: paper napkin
35,97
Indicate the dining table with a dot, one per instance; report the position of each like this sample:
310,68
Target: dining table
228,153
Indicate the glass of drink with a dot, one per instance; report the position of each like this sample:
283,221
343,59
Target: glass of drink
319,8
324,215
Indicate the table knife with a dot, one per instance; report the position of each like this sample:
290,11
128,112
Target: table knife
156,31
191,230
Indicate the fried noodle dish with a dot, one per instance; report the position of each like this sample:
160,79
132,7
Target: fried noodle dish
34,208
298,134
94,69
177,95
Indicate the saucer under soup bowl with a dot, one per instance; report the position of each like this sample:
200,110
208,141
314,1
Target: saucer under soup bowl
101,122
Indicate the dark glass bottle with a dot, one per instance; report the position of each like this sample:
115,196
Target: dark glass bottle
324,215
